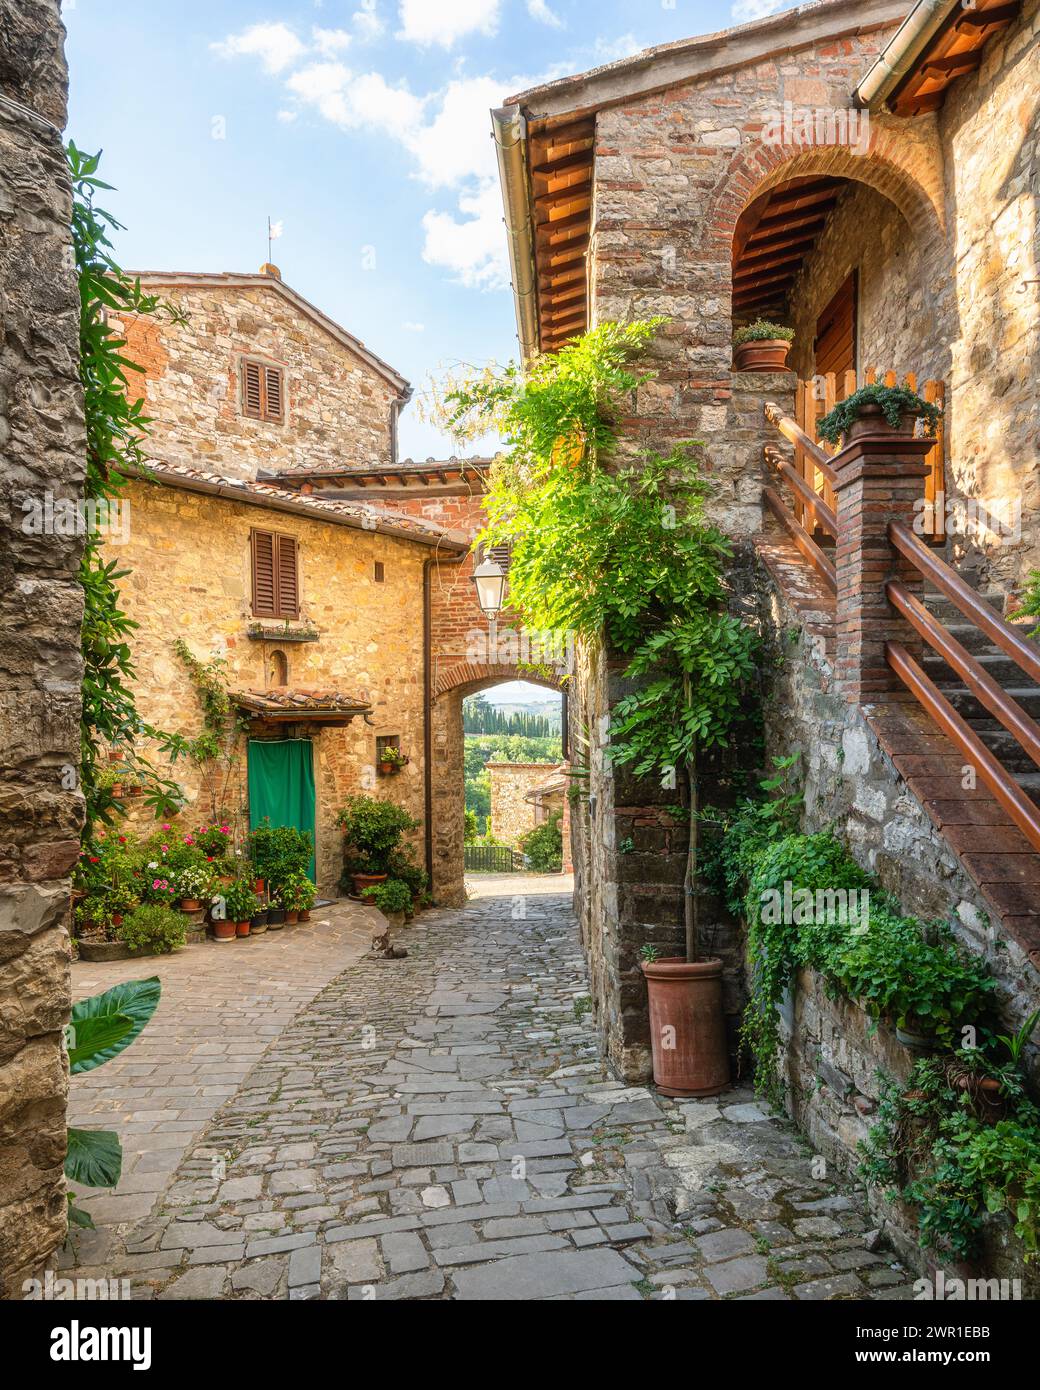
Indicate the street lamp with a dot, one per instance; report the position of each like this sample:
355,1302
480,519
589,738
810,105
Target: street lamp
490,582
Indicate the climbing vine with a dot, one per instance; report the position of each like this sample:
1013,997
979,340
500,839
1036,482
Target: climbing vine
221,726
116,427
621,547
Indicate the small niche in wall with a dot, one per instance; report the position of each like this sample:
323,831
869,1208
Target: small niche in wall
278,669
380,572
389,755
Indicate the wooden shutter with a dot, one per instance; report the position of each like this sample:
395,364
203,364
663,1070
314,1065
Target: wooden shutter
288,579
273,402
252,390
265,593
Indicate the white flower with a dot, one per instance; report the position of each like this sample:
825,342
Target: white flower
153,865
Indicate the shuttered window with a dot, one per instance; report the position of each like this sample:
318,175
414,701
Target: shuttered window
263,391
276,580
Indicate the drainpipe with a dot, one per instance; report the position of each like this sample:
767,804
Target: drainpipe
903,50
509,129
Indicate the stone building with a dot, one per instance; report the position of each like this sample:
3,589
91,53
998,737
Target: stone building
41,609
869,175
315,604
523,796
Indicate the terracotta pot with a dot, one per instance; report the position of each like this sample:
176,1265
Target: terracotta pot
305,914
224,931
871,421
117,789
291,917
117,919
258,887
686,1026
241,928
387,768
190,905
765,355
99,951
363,881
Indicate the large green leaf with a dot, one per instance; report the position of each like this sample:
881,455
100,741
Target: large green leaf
93,1035
136,999
94,1157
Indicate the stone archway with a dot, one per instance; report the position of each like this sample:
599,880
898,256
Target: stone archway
452,685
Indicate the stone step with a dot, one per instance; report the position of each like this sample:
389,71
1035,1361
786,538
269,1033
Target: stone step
947,611
1001,668
976,713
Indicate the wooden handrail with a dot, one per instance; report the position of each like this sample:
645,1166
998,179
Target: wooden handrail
811,500
801,538
982,686
966,599
1010,795
790,429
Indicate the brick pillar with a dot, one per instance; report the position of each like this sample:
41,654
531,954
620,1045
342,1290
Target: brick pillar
565,827
880,477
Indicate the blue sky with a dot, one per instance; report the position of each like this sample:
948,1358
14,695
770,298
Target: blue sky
361,126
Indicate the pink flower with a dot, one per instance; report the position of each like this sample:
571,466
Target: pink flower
156,883
165,849
188,840
166,827
225,830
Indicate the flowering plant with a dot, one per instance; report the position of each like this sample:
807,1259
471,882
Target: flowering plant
193,881
214,840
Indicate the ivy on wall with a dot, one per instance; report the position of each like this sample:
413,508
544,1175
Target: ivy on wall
116,427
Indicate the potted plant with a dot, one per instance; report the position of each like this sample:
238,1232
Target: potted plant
240,904
296,894
123,897
275,912
192,884
152,930
877,410
372,831
94,932
391,760
393,898
761,347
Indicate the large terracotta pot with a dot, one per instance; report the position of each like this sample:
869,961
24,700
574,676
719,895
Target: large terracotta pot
224,930
871,421
763,355
686,1026
363,881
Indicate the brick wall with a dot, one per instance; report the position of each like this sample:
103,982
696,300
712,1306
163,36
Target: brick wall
41,609
511,814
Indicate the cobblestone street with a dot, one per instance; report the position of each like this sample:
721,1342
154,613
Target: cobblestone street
442,1127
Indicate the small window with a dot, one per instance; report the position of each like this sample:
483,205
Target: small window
380,572
263,391
276,582
279,673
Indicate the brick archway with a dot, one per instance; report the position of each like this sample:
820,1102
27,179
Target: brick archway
453,682
902,170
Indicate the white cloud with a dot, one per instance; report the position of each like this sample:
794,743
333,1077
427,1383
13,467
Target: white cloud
442,22
455,144
329,41
350,101
538,9
612,50
410,327
758,9
472,249
367,21
275,45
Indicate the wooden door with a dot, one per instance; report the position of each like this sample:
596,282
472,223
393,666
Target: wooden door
836,336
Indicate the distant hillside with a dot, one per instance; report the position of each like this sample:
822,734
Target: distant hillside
529,718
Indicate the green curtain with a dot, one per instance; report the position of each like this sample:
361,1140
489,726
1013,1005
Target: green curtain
281,785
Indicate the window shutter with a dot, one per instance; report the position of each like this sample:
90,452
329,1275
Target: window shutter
273,403
252,390
264,590
288,581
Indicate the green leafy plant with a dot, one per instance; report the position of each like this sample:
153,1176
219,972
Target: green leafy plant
1030,601
372,831
896,402
649,953
297,893
99,1029
393,756
930,1148
1017,1043
762,331
240,900
391,896
543,845
116,428
152,929
280,851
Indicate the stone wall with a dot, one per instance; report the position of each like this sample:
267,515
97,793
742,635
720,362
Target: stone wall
189,562
337,406
512,815
43,444
833,1052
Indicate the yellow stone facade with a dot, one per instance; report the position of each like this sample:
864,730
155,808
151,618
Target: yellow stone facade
188,558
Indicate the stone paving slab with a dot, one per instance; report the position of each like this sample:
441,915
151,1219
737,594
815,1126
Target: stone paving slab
364,1155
